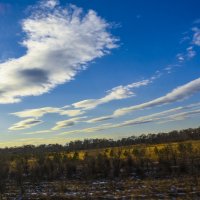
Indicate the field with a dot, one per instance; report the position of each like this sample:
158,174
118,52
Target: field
148,148
181,188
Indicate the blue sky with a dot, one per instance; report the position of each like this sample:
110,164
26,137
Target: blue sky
86,69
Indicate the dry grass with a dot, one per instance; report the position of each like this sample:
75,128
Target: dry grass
149,149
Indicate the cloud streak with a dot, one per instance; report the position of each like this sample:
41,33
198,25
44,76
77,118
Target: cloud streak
79,108
40,112
117,93
196,36
159,117
67,123
25,124
178,94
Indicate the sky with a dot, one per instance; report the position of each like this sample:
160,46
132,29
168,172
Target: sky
97,69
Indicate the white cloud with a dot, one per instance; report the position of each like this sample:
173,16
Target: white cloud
188,55
40,112
67,123
71,113
37,132
193,42
37,112
180,57
190,52
100,119
24,124
196,36
166,115
91,129
159,117
59,42
184,115
117,93
178,94
184,39
50,3
109,126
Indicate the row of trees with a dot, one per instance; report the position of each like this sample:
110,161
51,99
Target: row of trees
173,136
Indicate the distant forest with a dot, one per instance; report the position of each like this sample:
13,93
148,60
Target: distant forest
87,144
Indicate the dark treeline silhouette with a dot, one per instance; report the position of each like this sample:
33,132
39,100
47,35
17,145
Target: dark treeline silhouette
173,136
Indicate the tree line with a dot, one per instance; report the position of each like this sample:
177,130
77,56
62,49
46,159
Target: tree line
172,136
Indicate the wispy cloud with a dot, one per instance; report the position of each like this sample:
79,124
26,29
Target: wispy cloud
79,108
53,57
193,39
178,94
196,36
40,112
37,112
38,132
67,123
159,117
184,115
190,52
90,129
188,55
180,57
117,93
24,124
